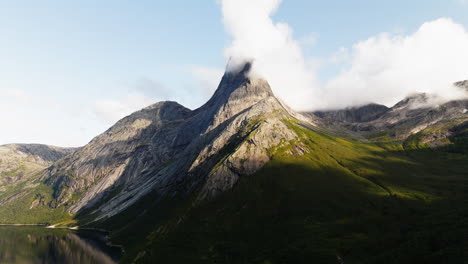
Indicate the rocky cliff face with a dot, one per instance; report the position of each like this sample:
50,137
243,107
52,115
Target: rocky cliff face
140,141
169,149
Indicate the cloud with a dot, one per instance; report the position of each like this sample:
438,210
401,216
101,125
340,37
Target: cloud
382,69
277,56
387,67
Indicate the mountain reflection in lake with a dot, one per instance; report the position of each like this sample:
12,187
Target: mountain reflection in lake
38,245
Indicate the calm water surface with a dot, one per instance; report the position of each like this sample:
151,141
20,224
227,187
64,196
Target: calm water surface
39,245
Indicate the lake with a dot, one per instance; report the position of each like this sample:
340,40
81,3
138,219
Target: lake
40,245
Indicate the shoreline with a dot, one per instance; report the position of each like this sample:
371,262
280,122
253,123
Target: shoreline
74,228
44,225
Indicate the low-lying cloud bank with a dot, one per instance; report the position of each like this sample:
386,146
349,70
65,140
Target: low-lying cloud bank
381,69
386,67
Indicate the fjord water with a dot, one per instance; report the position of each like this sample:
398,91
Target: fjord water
38,245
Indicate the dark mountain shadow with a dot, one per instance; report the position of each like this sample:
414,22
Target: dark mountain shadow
293,213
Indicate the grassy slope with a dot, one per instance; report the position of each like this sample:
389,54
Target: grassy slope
364,203
27,200
20,211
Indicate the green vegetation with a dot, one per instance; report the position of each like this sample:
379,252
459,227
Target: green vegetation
31,206
375,201
13,173
360,202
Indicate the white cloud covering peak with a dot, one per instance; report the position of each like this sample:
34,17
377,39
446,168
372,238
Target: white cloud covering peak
277,56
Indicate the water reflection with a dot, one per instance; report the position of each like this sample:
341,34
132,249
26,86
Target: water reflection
37,245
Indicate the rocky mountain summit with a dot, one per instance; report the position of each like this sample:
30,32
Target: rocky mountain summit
169,149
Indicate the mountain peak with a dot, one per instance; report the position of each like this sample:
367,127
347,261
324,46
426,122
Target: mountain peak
237,91
240,69
240,83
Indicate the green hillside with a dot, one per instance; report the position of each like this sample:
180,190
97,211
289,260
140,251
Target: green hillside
360,202
31,205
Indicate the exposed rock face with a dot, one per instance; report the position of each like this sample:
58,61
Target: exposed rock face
139,141
171,150
360,114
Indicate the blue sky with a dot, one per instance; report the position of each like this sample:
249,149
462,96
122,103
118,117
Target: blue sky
68,69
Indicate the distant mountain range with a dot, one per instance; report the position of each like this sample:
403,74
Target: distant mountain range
245,179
